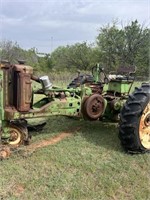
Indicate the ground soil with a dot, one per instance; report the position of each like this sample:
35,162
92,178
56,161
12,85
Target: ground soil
6,151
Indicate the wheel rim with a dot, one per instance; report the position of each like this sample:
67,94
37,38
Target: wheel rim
94,106
15,136
144,128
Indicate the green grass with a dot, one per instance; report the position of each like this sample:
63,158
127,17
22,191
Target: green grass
89,165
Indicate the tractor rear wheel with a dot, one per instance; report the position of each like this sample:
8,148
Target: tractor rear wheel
134,126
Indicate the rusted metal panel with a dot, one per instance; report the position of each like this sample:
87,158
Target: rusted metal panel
7,84
23,69
22,87
24,92
9,113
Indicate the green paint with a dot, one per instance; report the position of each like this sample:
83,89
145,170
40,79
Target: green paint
70,106
119,86
96,73
63,101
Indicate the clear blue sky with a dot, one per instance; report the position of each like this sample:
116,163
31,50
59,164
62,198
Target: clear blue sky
47,24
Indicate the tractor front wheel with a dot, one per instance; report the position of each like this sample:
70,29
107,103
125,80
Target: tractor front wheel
18,135
134,126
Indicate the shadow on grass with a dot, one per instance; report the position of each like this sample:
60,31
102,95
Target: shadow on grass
53,125
103,134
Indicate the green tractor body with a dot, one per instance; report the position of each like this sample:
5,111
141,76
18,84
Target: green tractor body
119,86
84,98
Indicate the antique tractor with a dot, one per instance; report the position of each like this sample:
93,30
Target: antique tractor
84,97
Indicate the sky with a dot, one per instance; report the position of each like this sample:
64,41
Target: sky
47,24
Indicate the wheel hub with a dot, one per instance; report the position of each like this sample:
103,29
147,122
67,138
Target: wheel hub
15,136
18,135
93,107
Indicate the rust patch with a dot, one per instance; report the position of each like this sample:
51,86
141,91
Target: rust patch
96,88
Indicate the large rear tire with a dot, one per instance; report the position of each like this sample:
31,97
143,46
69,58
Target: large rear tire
134,126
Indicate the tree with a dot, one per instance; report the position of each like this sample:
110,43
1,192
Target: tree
110,44
126,46
45,62
136,43
115,46
79,56
12,52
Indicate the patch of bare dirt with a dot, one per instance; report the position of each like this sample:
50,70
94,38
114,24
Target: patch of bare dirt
4,152
51,141
17,190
